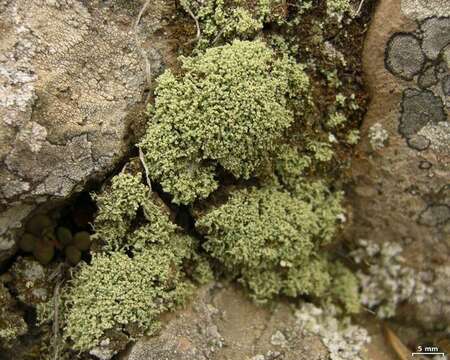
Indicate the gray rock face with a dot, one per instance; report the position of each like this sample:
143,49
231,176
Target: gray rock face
222,323
404,56
71,86
400,195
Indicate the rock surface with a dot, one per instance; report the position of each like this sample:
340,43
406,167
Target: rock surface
400,193
222,324
72,82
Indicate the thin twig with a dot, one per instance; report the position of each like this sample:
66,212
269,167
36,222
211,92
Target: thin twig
56,321
197,25
218,36
397,345
359,7
144,165
148,67
55,326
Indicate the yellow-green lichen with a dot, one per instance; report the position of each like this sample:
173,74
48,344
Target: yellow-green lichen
271,239
338,8
117,208
220,19
137,273
116,292
345,288
229,109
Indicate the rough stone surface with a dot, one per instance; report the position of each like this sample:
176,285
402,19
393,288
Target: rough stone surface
404,56
72,84
398,194
436,35
222,324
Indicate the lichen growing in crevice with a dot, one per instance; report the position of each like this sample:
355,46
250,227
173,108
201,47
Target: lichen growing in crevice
245,146
139,270
230,108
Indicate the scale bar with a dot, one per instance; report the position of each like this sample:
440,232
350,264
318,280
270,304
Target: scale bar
430,353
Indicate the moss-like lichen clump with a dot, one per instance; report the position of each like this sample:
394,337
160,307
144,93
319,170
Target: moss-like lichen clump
117,209
271,238
235,19
119,293
138,274
229,108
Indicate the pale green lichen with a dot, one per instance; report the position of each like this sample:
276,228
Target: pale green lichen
322,151
229,109
290,164
137,272
116,292
352,137
338,8
225,20
117,212
345,288
271,239
336,119
118,209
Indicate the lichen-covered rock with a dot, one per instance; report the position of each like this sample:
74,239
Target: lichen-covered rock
399,194
422,9
420,108
222,323
344,340
230,108
436,35
71,85
270,239
388,281
404,56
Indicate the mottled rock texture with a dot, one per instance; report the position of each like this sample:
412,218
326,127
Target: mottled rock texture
72,84
399,193
222,323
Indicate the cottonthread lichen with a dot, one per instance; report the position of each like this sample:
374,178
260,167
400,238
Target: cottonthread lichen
230,108
271,239
117,209
235,19
337,8
136,273
116,292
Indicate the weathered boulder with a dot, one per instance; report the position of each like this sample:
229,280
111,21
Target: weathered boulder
73,76
222,323
401,188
